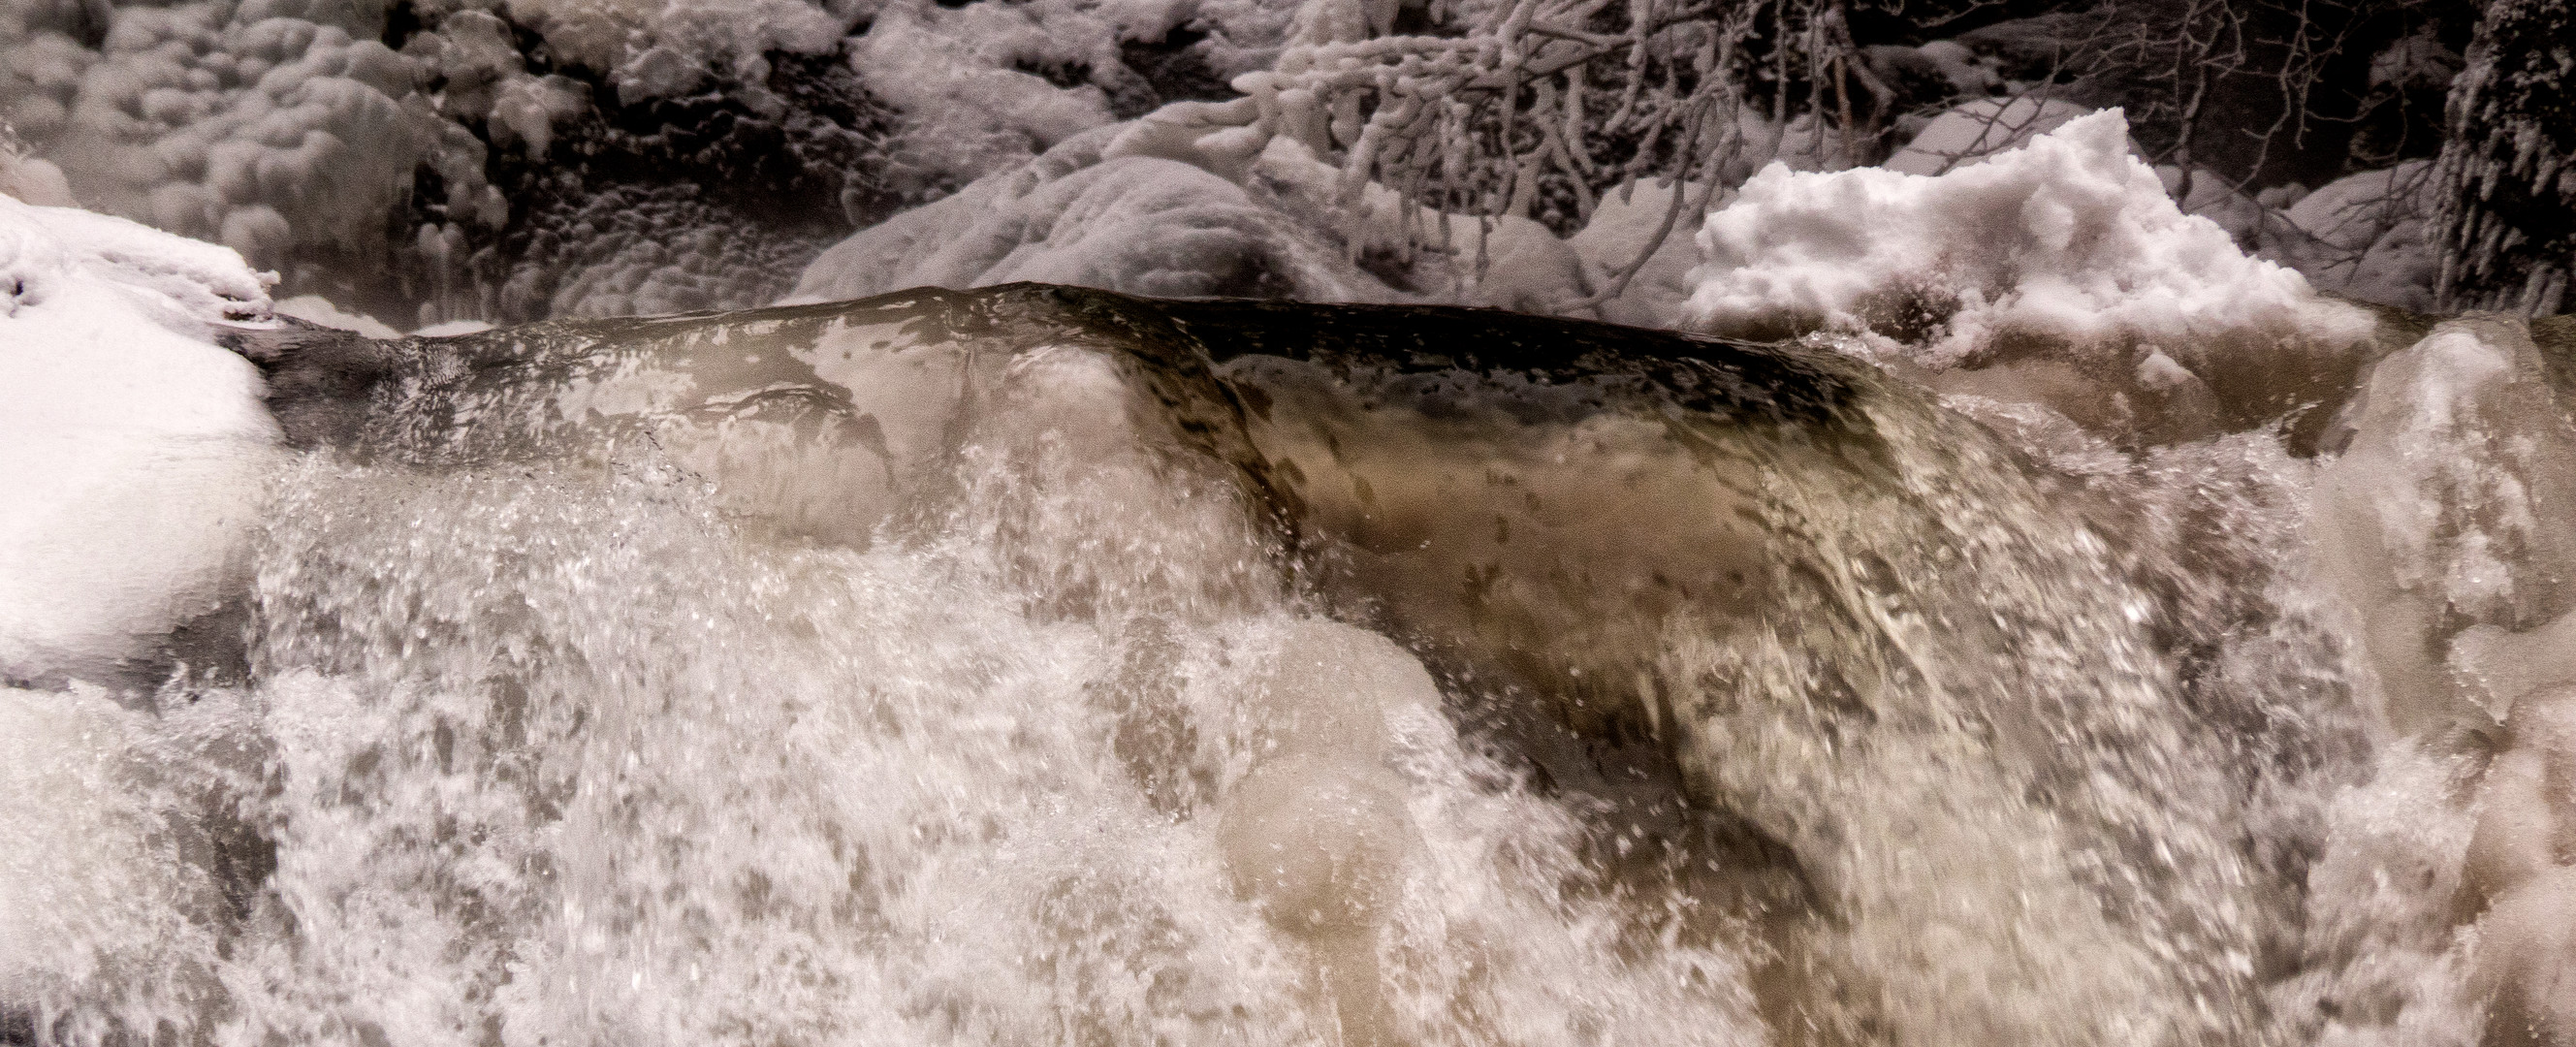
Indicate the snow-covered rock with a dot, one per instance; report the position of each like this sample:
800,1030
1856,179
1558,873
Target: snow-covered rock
1141,224
2061,271
315,309
131,446
2370,236
1972,132
1194,200
1617,235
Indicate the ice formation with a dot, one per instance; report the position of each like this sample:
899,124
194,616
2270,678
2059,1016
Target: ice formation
134,442
2442,527
268,126
963,76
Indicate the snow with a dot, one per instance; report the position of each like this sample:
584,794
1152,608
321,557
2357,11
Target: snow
2367,236
2069,240
1971,133
134,443
1100,211
315,309
1621,226
959,76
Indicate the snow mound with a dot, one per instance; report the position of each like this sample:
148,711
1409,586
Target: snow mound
134,443
2069,239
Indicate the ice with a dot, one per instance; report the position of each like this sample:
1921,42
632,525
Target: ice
2446,512
31,179
135,442
251,125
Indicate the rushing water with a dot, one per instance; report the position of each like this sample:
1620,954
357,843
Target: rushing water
1046,666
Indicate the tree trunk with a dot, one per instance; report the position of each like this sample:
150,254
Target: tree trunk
2507,222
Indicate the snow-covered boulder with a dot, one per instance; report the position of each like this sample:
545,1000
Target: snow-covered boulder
2368,236
131,446
1970,133
1136,223
2058,273
1621,227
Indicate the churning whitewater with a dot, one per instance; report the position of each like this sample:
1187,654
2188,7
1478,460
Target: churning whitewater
2132,648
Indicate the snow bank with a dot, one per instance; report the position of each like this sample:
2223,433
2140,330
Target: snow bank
133,443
